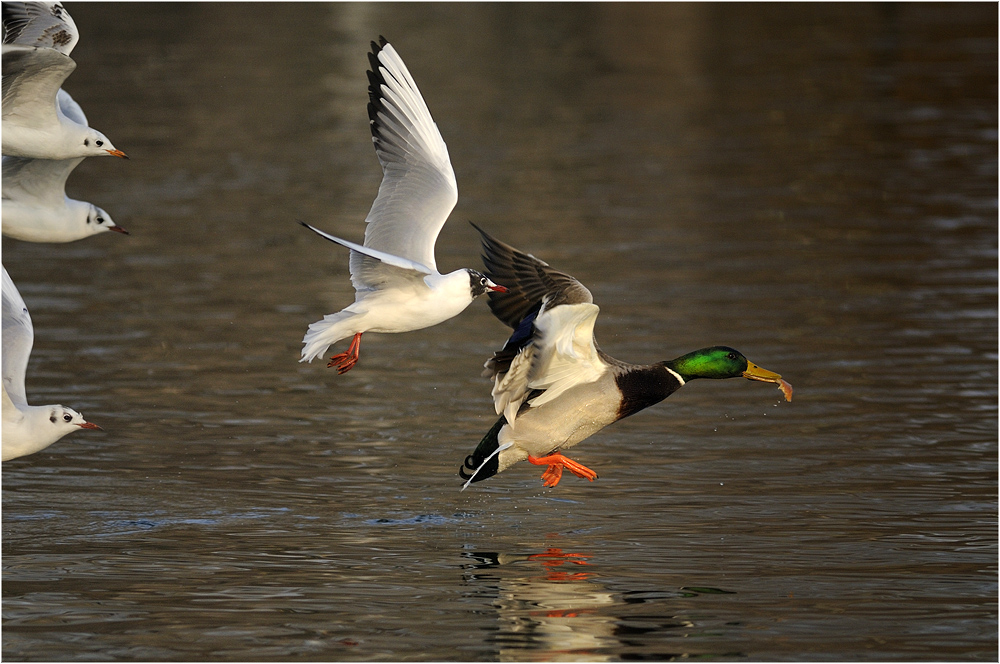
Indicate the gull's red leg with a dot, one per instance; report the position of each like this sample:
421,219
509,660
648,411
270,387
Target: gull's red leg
344,361
556,463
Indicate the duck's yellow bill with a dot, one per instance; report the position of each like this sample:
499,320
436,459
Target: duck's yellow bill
754,372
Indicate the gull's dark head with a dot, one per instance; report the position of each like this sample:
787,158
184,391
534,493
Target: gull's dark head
482,284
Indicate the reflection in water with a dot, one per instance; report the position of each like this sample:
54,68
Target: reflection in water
551,607
549,610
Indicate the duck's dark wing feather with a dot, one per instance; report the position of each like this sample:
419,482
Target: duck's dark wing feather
529,281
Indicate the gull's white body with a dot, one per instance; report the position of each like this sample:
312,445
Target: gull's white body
35,205
26,429
398,287
407,306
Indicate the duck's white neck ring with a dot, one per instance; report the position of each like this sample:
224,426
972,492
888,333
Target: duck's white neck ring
675,375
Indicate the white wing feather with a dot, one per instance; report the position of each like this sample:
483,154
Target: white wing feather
45,24
31,80
418,189
561,356
70,108
387,258
565,355
39,180
18,337
510,388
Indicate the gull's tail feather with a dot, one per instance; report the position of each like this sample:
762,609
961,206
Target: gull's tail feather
322,333
484,462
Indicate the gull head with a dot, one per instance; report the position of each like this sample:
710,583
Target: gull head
99,221
481,284
50,423
96,144
68,420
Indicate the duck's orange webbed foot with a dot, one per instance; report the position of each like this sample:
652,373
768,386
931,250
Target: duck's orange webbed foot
556,463
345,361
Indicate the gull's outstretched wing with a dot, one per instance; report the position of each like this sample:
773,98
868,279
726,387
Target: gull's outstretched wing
70,108
18,336
41,180
418,189
31,79
45,24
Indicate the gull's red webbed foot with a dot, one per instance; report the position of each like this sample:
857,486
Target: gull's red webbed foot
556,463
345,361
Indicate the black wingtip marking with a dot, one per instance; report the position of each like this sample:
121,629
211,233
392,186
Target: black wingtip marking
375,82
487,446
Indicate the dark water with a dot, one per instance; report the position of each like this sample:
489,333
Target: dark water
815,185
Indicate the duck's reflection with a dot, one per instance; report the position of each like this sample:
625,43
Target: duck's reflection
552,611
553,606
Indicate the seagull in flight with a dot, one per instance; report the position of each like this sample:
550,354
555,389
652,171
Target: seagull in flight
38,38
26,429
398,287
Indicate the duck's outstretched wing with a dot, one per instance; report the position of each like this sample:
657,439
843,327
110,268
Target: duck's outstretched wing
529,281
560,355
553,315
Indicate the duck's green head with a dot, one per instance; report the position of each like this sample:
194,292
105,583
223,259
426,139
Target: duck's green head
719,362
724,362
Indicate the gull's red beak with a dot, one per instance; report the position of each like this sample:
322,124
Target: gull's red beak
117,153
90,425
498,289
118,229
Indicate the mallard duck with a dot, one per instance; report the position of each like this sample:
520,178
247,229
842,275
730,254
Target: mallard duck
394,273
553,387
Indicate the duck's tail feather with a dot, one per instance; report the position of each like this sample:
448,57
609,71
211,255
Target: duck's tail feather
322,333
484,462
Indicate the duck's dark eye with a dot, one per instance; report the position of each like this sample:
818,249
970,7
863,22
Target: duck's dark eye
732,356
100,143
67,417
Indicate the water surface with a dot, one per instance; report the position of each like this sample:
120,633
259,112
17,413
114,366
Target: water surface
814,185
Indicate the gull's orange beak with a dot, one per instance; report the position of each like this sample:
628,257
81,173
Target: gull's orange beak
754,372
90,425
117,153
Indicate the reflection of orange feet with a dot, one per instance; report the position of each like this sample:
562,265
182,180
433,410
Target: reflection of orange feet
556,463
344,361
555,556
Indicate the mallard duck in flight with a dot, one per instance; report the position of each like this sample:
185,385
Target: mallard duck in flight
553,387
